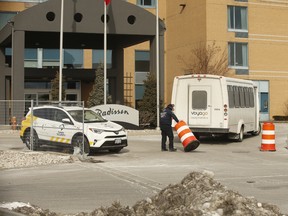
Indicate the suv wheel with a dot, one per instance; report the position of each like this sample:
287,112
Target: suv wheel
77,142
27,140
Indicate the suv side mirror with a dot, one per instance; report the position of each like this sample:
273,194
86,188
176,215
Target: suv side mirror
66,121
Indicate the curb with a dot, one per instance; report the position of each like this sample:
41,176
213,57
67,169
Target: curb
143,132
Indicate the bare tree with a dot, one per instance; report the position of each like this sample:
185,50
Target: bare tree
204,59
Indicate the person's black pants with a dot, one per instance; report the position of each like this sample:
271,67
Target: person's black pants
166,131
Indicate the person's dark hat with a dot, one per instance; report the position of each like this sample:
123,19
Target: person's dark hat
170,106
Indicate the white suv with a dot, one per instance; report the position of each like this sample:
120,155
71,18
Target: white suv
64,126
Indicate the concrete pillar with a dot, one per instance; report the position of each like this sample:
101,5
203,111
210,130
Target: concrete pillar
2,73
119,60
17,70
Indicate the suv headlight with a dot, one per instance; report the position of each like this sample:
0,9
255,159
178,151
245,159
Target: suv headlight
95,130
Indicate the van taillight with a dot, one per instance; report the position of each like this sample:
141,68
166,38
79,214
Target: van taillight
225,110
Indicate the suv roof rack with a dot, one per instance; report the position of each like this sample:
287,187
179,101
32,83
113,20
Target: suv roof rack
59,104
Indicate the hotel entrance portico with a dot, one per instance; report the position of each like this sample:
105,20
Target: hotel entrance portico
29,46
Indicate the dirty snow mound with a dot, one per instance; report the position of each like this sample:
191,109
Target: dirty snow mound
198,194
16,159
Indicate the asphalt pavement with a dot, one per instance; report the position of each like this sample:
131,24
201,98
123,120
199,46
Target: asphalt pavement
141,170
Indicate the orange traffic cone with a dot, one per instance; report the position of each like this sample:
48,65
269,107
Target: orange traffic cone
186,136
268,137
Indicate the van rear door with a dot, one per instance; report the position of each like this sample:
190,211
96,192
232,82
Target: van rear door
199,105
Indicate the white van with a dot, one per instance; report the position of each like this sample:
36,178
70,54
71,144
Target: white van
213,104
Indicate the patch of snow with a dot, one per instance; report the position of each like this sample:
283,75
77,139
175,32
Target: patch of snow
14,205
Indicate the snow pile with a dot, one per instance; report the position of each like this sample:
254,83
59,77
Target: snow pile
26,209
17,159
14,205
198,194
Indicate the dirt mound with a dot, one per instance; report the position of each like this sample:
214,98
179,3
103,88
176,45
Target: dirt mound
198,194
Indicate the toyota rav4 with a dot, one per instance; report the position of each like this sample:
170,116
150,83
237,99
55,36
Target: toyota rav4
65,126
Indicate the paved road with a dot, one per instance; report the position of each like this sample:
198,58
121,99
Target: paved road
142,170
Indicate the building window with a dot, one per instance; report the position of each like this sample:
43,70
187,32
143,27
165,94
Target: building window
264,102
146,3
8,57
51,58
237,18
142,68
47,85
142,61
37,85
30,58
238,55
98,57
73,58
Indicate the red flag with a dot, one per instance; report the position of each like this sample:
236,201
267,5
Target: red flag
107,2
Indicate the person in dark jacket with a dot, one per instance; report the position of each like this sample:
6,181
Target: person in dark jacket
166,129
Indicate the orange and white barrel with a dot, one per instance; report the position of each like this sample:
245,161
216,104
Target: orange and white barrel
268,137
186,136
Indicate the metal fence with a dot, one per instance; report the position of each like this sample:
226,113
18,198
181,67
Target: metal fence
49,126
12,113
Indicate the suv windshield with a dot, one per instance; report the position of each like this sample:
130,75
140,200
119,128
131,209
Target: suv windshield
89,116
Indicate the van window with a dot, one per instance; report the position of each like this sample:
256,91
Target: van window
236,96
251,97
246,95
199,100
230,96
240,96
242,101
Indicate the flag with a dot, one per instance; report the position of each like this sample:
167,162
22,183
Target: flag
107,2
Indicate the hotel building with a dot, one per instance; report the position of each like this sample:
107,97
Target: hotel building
253,33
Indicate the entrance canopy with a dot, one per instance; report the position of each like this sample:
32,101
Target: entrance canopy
83,25
83,28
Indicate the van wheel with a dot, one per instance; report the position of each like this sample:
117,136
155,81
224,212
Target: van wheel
77,142
256,133
27,140
241,135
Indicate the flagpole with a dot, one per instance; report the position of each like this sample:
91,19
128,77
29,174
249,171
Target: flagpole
105,51
157,64
61,51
